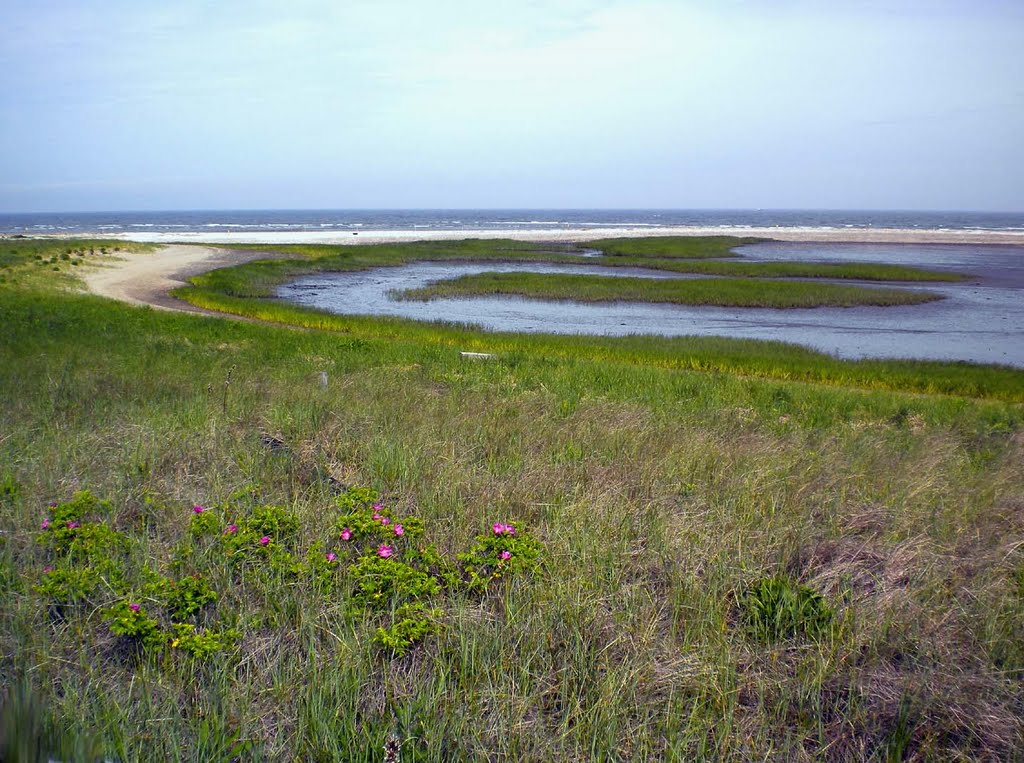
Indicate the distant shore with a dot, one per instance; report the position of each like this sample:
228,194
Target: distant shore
562,235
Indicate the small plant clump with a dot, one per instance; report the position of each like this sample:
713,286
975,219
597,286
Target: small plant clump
497,554
777,608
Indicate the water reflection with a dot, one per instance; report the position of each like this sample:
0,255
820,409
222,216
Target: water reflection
980,321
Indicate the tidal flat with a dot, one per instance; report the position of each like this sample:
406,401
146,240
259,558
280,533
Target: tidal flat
980,318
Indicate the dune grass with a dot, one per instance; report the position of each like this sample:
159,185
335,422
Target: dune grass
724,292
35,261
732,567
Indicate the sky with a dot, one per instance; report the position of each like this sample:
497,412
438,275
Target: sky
353,104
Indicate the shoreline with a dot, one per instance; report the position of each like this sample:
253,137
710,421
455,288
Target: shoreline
561,235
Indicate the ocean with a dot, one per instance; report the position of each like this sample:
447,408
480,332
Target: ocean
486,220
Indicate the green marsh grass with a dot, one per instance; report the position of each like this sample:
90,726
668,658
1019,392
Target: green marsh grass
661,490
759,359
856,271
668,247
724,292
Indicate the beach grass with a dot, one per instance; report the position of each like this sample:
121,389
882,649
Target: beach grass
723,292
27,261
734,564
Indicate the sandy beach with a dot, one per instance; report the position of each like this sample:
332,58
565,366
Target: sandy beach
146,278
577,235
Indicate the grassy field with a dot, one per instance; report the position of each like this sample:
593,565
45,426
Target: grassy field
724,292
707,564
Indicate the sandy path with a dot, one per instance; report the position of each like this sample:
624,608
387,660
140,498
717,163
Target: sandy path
145,278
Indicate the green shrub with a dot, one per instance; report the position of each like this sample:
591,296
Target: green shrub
387,581
188,596
204,522
272,521
68,585
497,554
129,620
413,623
203,644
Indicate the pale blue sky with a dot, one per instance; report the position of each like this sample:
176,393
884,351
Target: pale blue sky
857,104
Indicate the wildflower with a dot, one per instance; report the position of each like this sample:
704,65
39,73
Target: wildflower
503,529
377,517
46,523
384,551
264,540
399,530
47,570
331,556
134,607
377,507
73,524
198,509
346,534
52,504
230,529
385,521
505,555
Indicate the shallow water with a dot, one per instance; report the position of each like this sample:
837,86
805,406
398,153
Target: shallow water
981,320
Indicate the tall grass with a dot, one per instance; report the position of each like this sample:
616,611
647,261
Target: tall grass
660,489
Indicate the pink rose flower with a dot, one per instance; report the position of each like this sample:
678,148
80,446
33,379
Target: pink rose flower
498,528
331,557
73,524
376,517
134,607
346,534
230,529
46,523
399,530
384,551
198,509
47,570
505,555
264,540
385,521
